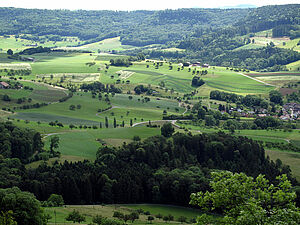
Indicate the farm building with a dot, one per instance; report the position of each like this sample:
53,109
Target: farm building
4,85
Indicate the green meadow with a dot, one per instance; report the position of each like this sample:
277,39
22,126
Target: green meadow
122,108
60,213
289,158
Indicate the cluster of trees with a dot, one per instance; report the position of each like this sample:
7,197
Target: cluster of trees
197,81
31,51
294,97
18,142
248,100
120,62
141,89
24,144
20,208
99,87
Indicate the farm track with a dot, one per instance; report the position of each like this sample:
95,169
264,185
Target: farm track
155,121
257,80
106,110
51,134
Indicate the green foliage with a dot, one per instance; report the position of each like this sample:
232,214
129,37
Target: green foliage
19,142
55,200
244,200
31,51
6,218
197,81
100,220
24,206
54,143
75,216
167,130
276,97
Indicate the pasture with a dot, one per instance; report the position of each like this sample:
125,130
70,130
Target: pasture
90,111
107,211
41,93
19,44
289,158
84,143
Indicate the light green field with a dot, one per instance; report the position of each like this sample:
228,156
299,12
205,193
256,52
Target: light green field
291,44
107,45
263,41
80,144
180,81
107,211
18,44
289,158
62,63
278,78
295,66
229,81
41,93
249,46
15,66
122,109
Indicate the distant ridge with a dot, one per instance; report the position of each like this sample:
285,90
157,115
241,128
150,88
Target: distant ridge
241,6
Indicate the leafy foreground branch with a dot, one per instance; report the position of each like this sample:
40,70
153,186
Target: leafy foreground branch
245,200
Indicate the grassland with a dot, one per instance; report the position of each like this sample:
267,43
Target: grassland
107,211
41,93
122,109
279,78
289,158
85,143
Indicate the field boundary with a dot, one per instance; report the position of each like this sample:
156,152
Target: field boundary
257,80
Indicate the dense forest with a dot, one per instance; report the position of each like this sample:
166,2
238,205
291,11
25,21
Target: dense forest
135,28
156,170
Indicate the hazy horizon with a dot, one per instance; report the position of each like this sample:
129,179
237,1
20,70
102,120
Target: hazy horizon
132,5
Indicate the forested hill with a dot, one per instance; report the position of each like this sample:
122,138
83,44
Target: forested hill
144,27
268,17
136,27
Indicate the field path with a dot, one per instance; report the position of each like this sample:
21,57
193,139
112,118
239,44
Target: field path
106,110
64,132
257,80
153,121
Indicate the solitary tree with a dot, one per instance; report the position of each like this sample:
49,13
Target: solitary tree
115,122
106,122
10,52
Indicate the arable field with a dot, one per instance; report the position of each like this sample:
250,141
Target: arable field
278,79
59,213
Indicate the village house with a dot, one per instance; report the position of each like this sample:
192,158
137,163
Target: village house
291,110
4,85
